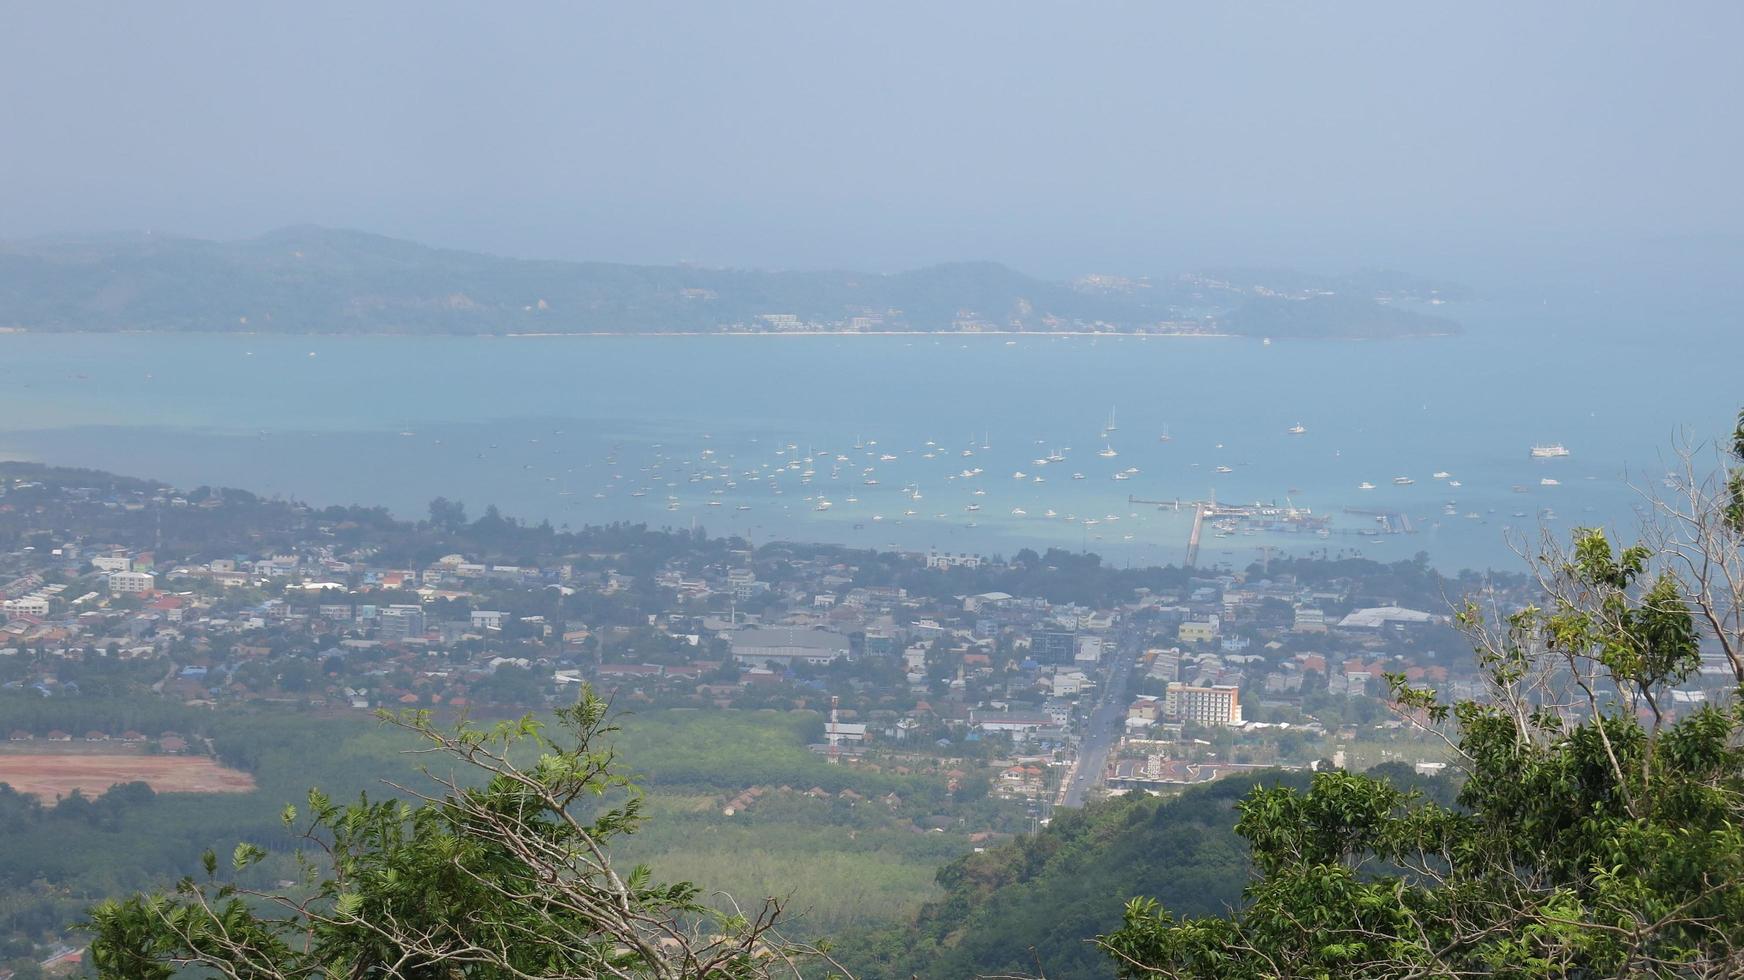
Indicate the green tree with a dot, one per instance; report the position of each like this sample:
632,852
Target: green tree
503,875
1600,828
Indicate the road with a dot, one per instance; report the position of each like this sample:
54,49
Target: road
1107,719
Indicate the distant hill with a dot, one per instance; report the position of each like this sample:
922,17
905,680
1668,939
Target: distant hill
1030,907
319,280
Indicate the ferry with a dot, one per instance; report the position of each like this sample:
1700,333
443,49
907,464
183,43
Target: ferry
1365,485
1552,450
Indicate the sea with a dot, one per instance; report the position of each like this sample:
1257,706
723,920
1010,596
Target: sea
966,444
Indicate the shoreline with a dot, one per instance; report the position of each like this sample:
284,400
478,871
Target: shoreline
507,335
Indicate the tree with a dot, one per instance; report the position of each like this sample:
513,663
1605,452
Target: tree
508,876
1600,827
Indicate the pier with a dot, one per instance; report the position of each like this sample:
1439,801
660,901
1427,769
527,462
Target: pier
1200,508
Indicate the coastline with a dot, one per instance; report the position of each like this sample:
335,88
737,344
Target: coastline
531,334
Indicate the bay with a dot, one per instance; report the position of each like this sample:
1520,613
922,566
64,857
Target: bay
685,431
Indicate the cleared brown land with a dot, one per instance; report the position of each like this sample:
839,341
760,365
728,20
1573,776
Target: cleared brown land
51,774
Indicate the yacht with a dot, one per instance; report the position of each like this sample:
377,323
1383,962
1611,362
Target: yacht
1402,481
1225,469
1165,437
1019,475
974,507
1441,474
1549,482
1123,476
1110,427
1107,452
1019,512
1297,429
1077,476
1455,483
823,505
1365,485
1549,451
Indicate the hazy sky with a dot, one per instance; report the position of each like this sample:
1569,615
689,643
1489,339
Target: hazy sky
1061,137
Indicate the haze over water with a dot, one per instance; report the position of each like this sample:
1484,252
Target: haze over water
529,424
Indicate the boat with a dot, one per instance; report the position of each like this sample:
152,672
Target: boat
1553,450
1225,469
1123,476
743,507
1549,482
1077,476
1107,452
1019,475
823,505
1441,474
1297,429
1455,483
974,507
1019,512
1050,513
1365,485
1402,481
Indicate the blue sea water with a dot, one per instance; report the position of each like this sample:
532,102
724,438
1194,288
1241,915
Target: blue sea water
541,425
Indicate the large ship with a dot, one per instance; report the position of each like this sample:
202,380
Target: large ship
1549,451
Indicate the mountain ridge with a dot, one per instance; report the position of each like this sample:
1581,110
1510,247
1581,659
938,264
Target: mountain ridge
312,279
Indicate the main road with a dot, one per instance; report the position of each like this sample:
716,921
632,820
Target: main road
1107,720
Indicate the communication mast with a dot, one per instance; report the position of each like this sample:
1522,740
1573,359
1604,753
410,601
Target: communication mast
835,733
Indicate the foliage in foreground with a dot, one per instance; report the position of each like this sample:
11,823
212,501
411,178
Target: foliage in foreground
1599,832
506,877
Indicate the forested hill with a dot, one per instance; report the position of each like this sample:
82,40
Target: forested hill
1032,906
318,280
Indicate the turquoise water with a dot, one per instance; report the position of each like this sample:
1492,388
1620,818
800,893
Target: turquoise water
539,426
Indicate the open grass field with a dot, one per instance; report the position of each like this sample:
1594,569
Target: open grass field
49,775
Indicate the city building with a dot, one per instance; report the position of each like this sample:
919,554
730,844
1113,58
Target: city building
1219,704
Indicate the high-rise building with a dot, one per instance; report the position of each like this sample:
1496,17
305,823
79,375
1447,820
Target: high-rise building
1219,704
400,622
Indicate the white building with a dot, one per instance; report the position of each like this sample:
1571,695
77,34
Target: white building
112,563
30,605
131,583
1219,704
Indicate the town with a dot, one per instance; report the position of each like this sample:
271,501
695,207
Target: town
1069,679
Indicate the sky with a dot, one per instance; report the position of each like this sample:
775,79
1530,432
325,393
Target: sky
1058,137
